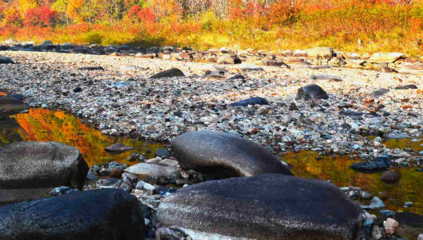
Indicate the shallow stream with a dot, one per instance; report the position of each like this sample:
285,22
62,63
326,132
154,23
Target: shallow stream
47,125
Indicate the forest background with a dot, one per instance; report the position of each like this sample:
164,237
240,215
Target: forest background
347,25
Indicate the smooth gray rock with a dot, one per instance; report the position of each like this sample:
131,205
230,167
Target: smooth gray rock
151,170
311,92
106,214
118,148
30,170
212,151
269,206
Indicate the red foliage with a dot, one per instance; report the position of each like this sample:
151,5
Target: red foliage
142,15
40,17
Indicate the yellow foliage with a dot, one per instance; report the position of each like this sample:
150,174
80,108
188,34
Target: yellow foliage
72,10
25,5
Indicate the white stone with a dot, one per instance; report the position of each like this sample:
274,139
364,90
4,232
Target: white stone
390,226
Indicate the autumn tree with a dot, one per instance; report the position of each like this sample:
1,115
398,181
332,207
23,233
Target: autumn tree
72,10
25,5
13,17
40,17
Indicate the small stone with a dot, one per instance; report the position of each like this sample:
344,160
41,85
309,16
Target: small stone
377,232
118,148
365,195
116,173
163,153
391,177
59,191
390,226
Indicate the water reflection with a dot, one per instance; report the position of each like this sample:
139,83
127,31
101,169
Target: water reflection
337,169
45,125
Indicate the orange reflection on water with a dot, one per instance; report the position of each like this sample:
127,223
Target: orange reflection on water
337,169
45,125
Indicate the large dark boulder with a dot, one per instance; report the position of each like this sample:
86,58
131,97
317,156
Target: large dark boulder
250,101
11,104
30,170
311,92
269,206
106,214
174,72
381,163
209,152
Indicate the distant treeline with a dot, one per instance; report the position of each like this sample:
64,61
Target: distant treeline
352,25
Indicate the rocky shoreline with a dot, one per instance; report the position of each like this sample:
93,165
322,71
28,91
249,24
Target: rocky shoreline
120,98
252,110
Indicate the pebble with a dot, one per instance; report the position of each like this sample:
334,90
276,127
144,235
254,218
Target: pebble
163,108
390,226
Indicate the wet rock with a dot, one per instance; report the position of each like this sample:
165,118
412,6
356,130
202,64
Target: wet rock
118,148
59,191
390,226
288,207
98,214
30,170
311,92
391,177
6,60
12,105
379,164
250,101
212,151
320,52
151,170
91,69
174,72
410,225
163,153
